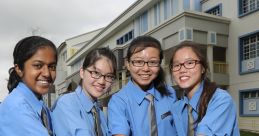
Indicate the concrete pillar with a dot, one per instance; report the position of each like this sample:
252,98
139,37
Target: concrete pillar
210,60
123,77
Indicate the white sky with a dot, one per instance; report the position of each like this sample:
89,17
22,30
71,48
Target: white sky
56,20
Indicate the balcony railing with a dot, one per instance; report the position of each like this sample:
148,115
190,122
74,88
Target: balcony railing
220,67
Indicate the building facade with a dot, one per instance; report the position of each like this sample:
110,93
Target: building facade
227,29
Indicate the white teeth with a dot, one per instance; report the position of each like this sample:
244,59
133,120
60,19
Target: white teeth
43,82
144,75
184,78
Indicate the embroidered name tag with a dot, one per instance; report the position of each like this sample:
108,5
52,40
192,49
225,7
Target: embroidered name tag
166,114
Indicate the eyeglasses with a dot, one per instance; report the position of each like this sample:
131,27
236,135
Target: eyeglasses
97,75
189,64
141,63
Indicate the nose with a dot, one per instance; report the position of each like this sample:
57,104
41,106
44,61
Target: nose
101,80
183,69
146,67
46,71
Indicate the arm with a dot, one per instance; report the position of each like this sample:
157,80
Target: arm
21,120
220,117
117,119
67,119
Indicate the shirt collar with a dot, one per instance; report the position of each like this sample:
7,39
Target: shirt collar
139,95
195,98
84,99
30,97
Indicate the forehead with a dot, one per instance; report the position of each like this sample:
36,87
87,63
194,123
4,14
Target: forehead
185,53
104,65
146,52
44,54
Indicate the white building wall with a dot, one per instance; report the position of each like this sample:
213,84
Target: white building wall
239,26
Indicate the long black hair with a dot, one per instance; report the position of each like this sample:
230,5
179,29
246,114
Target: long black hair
209,87
23,51
140,43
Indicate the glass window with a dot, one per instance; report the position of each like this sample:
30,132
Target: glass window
253,94
246,95
166,9
217,10
157,14
250,45
144,22
246,6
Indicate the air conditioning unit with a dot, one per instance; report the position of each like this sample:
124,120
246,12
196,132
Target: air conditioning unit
250,64
212,38
185,34
252,106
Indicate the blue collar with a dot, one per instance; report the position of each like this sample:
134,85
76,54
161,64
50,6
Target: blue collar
139,95
84,99
194,101
30,97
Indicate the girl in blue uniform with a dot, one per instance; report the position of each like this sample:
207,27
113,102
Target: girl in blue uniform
23,111
212,109
73,113
128,109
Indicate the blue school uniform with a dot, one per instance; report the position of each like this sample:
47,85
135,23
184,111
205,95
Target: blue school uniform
20,114
220,118
72,115
128,112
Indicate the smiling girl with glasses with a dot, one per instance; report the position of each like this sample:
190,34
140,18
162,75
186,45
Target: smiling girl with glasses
128,112
212,108
77,113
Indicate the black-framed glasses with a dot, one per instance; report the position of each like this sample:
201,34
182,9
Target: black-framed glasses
97,75
189,64
141,63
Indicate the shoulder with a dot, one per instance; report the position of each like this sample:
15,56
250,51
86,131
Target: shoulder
15,101
66,100
221,97
122,93
172,92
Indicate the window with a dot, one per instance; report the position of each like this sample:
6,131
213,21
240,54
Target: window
125,38
248,6
250,46
166,9
249,53
157,14
143,22
249,100
217,10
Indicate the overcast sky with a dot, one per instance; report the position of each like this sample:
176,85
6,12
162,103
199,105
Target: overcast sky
56,20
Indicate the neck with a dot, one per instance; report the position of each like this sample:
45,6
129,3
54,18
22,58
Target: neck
191,91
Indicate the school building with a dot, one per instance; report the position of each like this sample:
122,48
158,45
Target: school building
227,29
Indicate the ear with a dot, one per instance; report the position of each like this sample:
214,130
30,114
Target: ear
127,64
81,73
203,70
18,71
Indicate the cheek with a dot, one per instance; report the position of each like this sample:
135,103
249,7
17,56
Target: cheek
53,75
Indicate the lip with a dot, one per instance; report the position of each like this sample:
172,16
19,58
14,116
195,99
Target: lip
44,82
184,78
99,88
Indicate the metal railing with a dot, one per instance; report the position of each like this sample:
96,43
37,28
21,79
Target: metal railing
220,67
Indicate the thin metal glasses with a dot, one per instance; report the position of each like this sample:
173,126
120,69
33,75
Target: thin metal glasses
141,63
97,75
189,64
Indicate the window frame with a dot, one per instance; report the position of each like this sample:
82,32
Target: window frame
241,102
241,12
219,7
246,58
